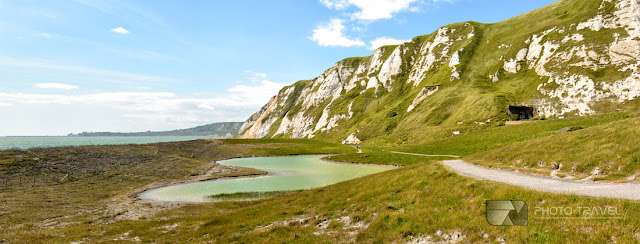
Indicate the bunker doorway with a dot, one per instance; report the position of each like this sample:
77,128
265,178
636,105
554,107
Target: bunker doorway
520,112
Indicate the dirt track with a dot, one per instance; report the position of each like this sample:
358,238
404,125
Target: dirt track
609,190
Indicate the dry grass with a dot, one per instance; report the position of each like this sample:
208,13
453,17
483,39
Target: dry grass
101,175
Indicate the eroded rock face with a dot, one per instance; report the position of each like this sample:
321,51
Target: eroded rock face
390,68
433,53
513,65
559,60
424,93
351,139
258,127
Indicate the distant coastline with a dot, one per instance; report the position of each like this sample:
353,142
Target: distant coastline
28,142
223,129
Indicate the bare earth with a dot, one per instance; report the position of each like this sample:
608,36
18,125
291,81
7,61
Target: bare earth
608,190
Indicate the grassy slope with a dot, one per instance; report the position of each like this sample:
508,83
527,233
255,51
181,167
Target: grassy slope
496,137
613,147
100,173
607,141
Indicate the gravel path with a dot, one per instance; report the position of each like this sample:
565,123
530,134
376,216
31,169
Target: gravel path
609,190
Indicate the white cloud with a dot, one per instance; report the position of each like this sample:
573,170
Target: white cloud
372,9
332,35
384,41
237,104
55,86
257,94
120,30
362,11
46,35
253,76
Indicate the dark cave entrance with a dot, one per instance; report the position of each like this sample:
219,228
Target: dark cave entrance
520,112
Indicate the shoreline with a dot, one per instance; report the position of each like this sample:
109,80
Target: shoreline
344,162
156,185
40,147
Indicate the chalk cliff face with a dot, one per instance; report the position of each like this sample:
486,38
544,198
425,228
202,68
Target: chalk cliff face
573,57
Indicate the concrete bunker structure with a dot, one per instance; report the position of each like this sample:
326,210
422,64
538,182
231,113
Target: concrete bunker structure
520,112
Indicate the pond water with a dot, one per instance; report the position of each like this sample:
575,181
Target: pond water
288,173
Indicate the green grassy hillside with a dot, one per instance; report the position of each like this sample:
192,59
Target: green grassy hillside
612,148
479,95
474,141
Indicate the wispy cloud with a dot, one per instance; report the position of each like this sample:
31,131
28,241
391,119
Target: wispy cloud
105,74
46,35
384,41
254,76
120,30
55,86
118,7
121,51
332,35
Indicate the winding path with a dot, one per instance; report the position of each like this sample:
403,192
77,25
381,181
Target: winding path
609,190
417,154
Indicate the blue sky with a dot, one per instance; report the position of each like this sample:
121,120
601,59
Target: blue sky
110,65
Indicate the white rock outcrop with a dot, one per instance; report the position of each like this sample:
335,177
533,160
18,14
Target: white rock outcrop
453,62
513,65
429,56
351,139
391,67
424,93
